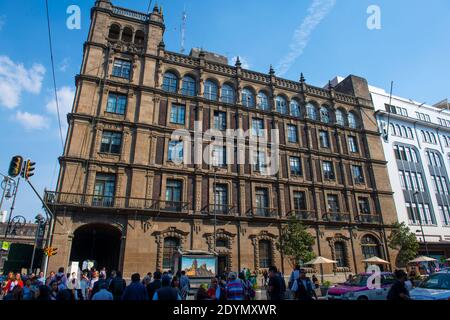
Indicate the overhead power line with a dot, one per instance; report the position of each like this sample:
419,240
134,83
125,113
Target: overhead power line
53,73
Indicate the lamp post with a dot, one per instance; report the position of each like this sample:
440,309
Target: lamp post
40,220
420,221
215,164
7,184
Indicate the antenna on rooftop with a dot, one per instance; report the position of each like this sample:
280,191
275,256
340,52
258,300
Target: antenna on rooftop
183,30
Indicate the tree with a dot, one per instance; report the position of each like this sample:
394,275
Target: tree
295,242
403,240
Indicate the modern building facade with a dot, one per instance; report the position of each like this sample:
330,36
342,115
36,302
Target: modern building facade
125,201
416,142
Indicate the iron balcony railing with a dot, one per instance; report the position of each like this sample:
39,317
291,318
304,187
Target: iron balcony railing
368,218
336,217
219,209
100,201
263,212
303,215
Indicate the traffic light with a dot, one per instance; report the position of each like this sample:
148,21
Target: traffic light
28,169
15,167
49,252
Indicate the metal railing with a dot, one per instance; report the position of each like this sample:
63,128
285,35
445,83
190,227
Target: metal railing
303,215
263,212
100,201
336,217
219,209
368,218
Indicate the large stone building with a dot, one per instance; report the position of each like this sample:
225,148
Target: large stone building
122,200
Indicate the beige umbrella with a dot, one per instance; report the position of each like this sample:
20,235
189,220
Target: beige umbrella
448,259
320,261
422,259
375,260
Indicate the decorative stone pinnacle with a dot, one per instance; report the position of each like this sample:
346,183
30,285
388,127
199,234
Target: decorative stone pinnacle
238,62
302,78
271,71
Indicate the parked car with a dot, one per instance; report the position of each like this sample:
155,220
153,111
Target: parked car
435,287
357,288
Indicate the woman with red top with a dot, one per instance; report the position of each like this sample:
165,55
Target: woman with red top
13,282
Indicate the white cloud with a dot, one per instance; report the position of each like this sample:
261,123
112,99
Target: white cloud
32,121
65,100
15,79
244,62
64,65
316,13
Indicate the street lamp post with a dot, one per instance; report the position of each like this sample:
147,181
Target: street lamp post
16,186
420,221
40,221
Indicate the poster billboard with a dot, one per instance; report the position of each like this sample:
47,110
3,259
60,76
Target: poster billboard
199,266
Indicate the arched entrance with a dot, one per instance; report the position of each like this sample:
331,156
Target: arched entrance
98,242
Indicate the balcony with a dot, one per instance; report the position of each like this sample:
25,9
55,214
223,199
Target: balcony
219,209
336,217
98,201
263,213
303,215
368,219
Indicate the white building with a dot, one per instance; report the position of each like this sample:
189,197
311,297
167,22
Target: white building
416,142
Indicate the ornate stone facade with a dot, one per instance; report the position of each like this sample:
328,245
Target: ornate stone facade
125,58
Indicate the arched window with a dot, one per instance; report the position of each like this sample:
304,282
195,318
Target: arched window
370,247
433,138
263,101
170,248
170,82
424,137
352,120
281,105
325,114
114,32
127,34
211,90
248,99
340,254
139,38
411,134
294,107
398,131
340,119
265,253
227,94
392,128
189,87
311,112
404,132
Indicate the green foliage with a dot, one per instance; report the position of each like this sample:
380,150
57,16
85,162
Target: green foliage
403,240
327,284
295,242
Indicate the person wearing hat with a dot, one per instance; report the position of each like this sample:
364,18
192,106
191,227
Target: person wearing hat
235,289
398,290
166,292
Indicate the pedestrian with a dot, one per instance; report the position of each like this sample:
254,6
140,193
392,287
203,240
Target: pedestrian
117,286
166,292
398,290
84,286
294,276
135,290
275,285
235,289
147,279
315,282
62,278
100,282
103,293
265,278
53,290
41,278
202,293
185,285
14,280
94,279
215,291
50,278
154,285
43,293
28,291
303,288
249,293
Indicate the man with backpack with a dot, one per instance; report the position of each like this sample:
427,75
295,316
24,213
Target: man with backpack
303,288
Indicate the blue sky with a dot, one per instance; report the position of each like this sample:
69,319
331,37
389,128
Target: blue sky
411,48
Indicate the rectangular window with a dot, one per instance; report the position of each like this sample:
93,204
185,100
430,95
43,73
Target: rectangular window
295,165
117,103
220,120
111,142
262,202
328,170
177,114
174,190
414,181
352,144
221,199
324,139
122,69
259,161
219,156
299,201
402,180
364,205
420,180
292,134
358,176
104,189
408,181
175,152
333,203
257,127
